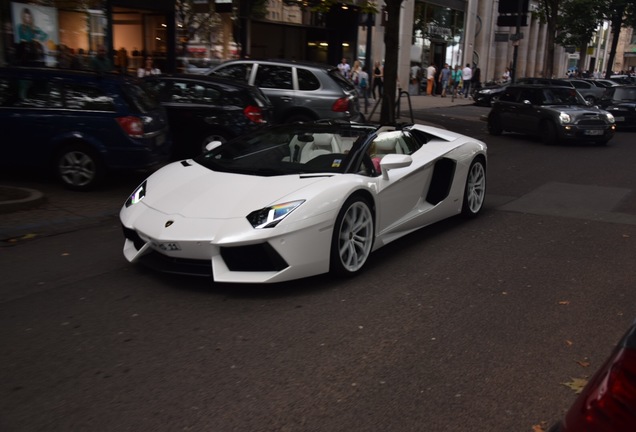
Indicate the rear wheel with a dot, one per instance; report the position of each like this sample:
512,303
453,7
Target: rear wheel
475,191
590,99
352,237
78,167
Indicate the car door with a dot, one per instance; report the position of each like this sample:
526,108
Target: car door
507,109
277,82
528,114
30,108
401,197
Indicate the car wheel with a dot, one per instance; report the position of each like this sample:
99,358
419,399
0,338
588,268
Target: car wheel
475,190
494,125
549,133
352,238
78,168
590,99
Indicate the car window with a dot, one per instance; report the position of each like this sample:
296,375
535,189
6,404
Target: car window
562,95
87,98
532,95
194,93
274,77
36,93
307,80
8,92
139,98
238,72
625,93
509,95
581,84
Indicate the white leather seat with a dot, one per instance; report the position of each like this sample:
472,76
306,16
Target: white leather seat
322,144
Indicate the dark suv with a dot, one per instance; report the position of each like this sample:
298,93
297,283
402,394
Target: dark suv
299,91
552,113
203,108
79,123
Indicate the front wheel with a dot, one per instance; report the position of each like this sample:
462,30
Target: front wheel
352,238
78,168
475,191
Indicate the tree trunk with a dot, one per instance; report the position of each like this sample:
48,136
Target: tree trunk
391,50
552,11
582,57
617,21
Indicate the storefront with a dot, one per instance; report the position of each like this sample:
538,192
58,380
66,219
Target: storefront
438,29
75,29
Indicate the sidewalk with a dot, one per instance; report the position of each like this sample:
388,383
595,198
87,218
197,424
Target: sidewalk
35,208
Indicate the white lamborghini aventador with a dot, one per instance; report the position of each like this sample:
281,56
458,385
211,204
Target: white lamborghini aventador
297,200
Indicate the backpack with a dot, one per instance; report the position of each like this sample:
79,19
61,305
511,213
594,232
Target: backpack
363,82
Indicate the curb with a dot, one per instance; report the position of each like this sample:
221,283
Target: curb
13,199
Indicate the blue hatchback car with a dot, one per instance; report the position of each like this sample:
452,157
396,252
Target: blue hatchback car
79,124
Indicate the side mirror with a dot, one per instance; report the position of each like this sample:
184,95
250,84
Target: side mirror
394,161
212,145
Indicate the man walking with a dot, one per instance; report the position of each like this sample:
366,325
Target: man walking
467,75
430,79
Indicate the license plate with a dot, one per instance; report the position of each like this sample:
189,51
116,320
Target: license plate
593,132
167,247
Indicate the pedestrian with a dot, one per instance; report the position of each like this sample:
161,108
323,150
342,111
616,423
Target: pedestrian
444,78
121,60
378,79
100,62
506,75
355,72
416,73
467,76
148,69
476,81
456,80
363,88
430,79
344,68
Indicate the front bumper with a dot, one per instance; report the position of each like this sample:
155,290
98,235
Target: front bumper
587,133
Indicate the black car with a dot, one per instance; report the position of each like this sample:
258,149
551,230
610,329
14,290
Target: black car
552,113
79,124
489,94
202,109
621,102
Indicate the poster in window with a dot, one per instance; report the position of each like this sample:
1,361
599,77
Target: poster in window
35,33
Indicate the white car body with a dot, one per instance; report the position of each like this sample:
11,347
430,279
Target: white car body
191,212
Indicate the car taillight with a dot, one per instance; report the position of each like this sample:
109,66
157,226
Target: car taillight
341,105
254,113
608,402
133,126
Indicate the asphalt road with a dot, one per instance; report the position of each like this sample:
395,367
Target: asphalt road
462,326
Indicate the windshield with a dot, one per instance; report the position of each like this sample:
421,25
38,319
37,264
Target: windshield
289,149
561,96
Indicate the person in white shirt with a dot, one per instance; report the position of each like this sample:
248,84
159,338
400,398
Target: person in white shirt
431,70
344,68
148,69
467,75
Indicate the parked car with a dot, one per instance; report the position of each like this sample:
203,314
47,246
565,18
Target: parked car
298,91
621,102
301,199
487,95
600,82
552,113
589,91
79,124
608,401
202,108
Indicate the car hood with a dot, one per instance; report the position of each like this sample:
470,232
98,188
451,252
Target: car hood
575,109
191,190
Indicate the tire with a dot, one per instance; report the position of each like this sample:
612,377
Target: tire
494,125
475,190
549,133
352,238
590,99
78,167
